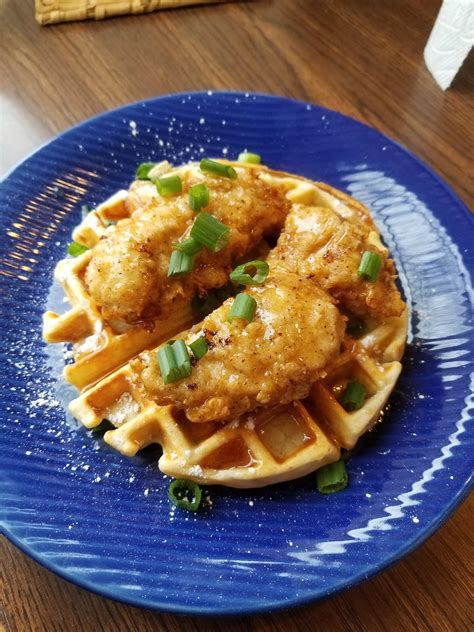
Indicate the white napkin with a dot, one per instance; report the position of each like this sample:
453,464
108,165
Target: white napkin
450,41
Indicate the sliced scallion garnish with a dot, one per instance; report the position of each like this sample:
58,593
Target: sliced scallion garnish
370,265
185,494
332,478
244,306
144,169
198,197
189,246
168,185
180,263
74,249
174,361
248,157
354,396
210,232
251,273
183,360
199,347
217,169
168,364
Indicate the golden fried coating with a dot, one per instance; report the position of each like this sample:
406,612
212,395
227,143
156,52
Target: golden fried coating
127,274
274,359
321,245
140,194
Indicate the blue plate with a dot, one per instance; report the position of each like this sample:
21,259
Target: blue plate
104,521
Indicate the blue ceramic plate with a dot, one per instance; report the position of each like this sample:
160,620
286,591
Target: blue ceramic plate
104,521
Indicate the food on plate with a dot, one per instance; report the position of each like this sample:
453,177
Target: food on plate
127,275
292,353
344,256
274,359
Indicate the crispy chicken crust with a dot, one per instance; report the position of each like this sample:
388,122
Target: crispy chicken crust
321,245
127,274
272,360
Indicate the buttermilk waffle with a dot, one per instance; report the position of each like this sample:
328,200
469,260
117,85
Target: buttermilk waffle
260,448
100,346
266,447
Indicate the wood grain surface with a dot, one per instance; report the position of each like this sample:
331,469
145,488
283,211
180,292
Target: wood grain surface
361,57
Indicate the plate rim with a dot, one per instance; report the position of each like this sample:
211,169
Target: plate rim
268,606
272,604
170,95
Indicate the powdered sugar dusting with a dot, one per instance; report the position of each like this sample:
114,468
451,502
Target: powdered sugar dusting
122,410
196,470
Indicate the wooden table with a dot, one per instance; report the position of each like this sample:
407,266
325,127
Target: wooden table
362,58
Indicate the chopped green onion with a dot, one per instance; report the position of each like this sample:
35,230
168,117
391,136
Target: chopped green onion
74,249
199,347
168,364
183,360
355,327
198,197
253,272
332,478
210,232
370,265
144,169
174,361
217,169
168,185
244,306
185,494
354,396
180,263
189,246
248,157
104,425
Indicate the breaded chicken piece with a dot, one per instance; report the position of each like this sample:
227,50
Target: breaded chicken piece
140,194
128,273
319,244
272,360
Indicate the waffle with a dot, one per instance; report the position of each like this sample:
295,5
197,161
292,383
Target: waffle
100,347
261,448
266,447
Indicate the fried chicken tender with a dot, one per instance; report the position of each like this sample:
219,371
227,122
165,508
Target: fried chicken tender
127,274
140,194
272,360
321,245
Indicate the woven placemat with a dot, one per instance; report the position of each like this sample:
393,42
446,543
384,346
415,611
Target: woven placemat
52,11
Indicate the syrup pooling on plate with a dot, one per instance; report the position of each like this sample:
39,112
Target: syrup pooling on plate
251,436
